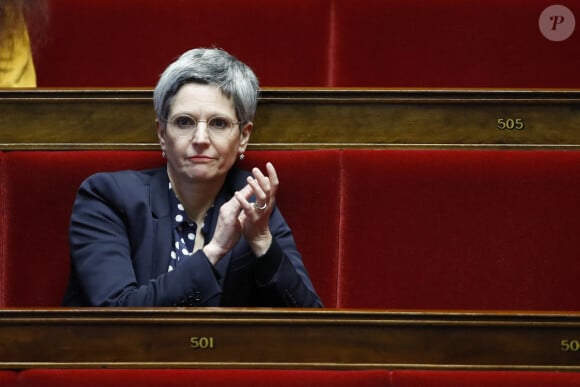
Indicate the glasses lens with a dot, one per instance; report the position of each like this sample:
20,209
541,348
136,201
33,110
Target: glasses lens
184,126
219,126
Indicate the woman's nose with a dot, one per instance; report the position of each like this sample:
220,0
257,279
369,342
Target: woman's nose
201,132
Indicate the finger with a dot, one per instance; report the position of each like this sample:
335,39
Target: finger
247,191
234,205
243,202
261,196
273,175
242,217
263,180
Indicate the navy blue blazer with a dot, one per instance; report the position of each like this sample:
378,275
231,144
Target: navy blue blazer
120,242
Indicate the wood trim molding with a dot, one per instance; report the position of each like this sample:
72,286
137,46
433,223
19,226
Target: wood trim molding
63,119
287,338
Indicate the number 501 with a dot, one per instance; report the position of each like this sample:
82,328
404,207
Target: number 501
201,342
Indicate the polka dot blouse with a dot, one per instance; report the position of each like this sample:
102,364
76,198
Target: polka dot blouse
184,230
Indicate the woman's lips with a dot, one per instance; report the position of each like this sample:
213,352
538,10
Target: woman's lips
200,159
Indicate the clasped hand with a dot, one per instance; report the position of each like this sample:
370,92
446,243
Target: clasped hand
239,216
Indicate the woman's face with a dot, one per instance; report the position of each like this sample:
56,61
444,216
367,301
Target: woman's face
201,155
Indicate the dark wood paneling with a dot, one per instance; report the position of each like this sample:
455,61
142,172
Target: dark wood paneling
304,119
287,338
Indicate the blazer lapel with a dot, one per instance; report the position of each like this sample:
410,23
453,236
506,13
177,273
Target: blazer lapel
160,213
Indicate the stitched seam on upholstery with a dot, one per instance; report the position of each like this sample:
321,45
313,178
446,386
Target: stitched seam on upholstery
331,53
340,226
2,228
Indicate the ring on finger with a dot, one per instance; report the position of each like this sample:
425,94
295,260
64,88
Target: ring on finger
262,207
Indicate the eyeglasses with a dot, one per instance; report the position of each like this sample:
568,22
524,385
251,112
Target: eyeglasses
217,127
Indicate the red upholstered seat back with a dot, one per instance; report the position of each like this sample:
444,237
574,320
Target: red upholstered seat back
203,378
459,378
309,197
2,232
315,43
40,188
112,43
460,229
283,378
389,229
450,43
8,378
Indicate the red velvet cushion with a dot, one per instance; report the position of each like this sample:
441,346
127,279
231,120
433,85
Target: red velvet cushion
2,233
112,43
36,249
450,43
8,379
422,378
456,229
308,197
200,377
40,187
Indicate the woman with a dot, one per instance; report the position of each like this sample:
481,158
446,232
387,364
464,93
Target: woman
197,232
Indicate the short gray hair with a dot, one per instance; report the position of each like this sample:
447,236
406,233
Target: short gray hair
209,66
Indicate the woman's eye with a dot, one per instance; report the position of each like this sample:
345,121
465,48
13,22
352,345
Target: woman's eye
184,122
219,123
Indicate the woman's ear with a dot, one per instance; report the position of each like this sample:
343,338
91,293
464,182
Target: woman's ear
161,131
245,137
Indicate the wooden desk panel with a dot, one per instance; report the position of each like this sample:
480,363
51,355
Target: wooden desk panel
305,119
287,338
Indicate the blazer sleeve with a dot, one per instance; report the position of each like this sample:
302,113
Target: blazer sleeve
112,235
282,271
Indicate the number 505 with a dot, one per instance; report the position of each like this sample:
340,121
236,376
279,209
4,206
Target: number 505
570,345
510,123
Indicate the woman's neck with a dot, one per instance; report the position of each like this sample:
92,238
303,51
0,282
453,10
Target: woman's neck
196,197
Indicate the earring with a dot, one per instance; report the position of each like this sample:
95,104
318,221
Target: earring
242,156
163,154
